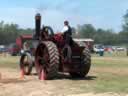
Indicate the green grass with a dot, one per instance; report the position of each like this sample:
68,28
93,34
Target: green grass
113,54
111,83
107,74
111,71
111,61
9,61
116,59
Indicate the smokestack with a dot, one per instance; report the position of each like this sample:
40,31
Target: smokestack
37,26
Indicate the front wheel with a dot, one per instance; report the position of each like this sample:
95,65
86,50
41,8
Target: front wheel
26,63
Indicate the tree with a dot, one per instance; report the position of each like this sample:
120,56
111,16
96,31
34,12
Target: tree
125,25
9,32
100,36
123,35
107,37
86,31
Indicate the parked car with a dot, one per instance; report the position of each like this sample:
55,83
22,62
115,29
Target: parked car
98,48
3,49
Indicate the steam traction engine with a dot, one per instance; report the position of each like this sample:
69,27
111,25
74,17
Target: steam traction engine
50,55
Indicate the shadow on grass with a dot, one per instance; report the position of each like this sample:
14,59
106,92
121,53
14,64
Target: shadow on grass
85,78
66,76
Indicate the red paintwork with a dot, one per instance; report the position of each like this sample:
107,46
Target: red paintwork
66,66
20,39
13,49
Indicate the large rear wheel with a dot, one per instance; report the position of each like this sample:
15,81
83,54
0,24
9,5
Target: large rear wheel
47,60
85,64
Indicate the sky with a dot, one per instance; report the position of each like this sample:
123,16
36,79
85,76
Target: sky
107,14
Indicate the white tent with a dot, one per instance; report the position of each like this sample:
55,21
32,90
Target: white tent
85,40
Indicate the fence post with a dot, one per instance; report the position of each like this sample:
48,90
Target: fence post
127,51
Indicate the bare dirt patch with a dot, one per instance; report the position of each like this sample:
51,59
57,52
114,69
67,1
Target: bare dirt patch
12,85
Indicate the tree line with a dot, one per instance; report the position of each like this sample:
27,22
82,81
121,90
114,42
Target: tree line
102,36
9,33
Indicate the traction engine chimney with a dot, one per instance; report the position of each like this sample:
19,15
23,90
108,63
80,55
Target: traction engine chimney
37,26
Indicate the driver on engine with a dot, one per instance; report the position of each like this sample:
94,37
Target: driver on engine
67,32
67,35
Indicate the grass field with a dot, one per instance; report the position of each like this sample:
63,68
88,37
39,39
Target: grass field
112,73
107,74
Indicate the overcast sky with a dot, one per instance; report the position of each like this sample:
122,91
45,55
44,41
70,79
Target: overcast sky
107,14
